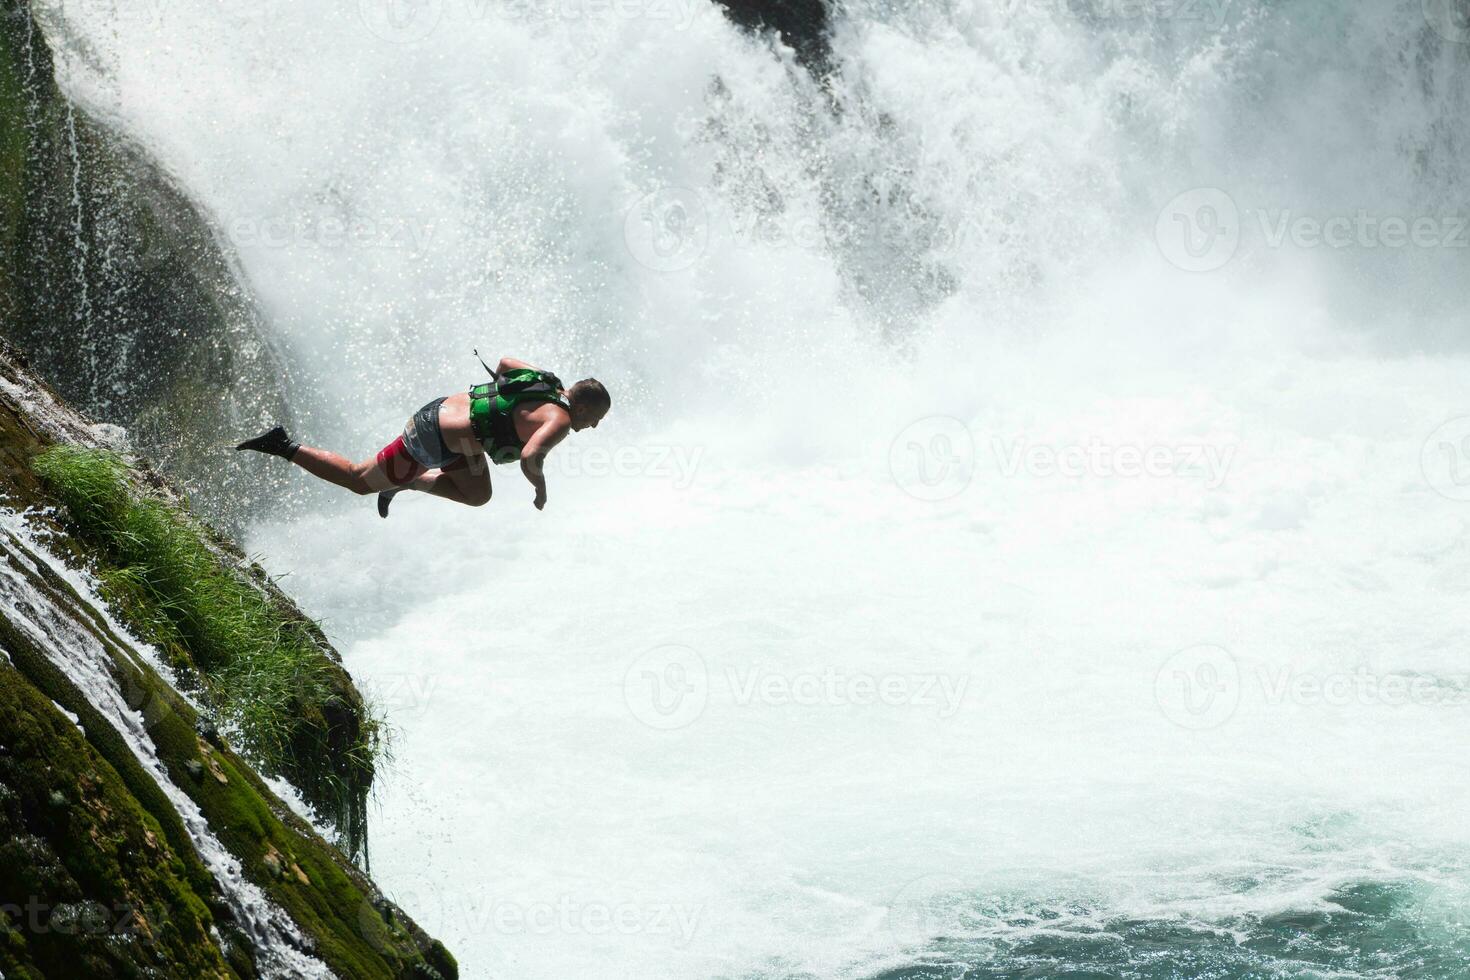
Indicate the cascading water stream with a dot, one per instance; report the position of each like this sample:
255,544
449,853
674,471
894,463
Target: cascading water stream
277,943
1021,539
80,248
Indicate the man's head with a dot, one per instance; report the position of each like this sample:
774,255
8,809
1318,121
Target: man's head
589,401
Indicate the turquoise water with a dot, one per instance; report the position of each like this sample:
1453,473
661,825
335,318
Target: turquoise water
1368,930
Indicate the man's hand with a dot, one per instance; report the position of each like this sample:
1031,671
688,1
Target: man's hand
533,455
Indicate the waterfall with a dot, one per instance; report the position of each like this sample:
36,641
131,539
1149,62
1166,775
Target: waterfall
1022,535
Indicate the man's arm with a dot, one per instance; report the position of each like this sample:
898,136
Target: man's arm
533,455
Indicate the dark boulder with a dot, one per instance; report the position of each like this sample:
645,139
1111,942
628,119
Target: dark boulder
802,25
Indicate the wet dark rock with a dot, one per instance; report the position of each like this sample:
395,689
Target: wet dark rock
87,828
208,731
102,253
802,25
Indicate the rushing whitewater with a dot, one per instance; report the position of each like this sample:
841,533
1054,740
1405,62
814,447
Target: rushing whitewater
1031,531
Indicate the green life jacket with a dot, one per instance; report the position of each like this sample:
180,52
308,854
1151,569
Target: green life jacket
492,409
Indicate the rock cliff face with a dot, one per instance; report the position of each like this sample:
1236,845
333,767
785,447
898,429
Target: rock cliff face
136,837
116,287
151,678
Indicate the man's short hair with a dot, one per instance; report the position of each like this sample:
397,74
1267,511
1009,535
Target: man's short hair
590,392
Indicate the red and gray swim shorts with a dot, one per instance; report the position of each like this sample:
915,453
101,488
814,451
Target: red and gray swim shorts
420,448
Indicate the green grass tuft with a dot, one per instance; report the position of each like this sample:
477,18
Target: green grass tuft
263,672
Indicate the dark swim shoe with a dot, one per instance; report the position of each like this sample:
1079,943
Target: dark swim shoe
385,499
273,443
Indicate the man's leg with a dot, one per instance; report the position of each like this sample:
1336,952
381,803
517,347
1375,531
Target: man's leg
361,478
464,482
367,476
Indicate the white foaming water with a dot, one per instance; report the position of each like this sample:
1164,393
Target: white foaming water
863,628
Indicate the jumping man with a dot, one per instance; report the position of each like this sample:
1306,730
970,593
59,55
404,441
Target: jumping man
520,415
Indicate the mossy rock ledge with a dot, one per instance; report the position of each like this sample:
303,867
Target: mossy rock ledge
137,838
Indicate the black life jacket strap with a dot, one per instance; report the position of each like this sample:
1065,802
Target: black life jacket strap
491,370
